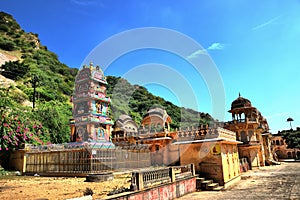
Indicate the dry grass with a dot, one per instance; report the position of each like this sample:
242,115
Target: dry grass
28,187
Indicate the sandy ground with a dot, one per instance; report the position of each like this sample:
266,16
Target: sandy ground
29,187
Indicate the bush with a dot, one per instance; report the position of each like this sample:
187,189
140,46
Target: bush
14,69
4,28
7,45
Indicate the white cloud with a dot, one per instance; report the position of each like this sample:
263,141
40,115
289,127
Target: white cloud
269,22
216,46
197,53
212,47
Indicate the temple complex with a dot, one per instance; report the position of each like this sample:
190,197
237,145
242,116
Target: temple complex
218,151
251,129
212,150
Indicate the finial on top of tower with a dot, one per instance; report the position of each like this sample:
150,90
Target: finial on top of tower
239,94
91,65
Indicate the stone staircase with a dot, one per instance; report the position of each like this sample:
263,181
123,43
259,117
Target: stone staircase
207,185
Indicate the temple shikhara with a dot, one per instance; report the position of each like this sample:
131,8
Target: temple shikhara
218,152
91,107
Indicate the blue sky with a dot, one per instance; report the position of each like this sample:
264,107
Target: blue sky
254,45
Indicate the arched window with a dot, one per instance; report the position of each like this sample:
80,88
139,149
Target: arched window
277,142
251,136
244,137
281,142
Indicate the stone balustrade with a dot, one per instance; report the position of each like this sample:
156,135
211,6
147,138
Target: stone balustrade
209,133
147,178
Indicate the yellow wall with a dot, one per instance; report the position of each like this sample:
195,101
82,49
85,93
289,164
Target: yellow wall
230,161
214,160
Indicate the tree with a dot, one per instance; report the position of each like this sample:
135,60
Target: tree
292,138
55,117
290,120
14,69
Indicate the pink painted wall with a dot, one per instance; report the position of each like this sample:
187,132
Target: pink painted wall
165,192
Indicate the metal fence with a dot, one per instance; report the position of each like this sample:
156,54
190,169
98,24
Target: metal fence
84,160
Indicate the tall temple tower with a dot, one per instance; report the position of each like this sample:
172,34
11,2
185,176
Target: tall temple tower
91,106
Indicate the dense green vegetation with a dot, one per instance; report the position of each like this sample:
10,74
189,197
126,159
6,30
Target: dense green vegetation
48,122
292,138
135,101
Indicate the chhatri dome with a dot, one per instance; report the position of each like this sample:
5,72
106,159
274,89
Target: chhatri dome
241,102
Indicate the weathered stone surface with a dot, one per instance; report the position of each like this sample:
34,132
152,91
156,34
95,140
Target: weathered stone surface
272,182
88,197
101,177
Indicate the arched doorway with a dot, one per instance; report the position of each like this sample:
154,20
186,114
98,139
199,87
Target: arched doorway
280,154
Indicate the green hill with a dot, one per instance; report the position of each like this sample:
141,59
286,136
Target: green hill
23,57
135,101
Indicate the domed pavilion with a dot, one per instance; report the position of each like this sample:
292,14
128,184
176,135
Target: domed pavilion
251,128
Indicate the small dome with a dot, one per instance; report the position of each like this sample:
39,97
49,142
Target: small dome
123,118
158,112
240,102
126,123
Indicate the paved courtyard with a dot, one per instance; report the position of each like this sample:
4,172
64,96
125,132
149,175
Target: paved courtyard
272,182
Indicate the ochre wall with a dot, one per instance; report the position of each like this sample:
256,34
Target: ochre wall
252,155
214,160
230,162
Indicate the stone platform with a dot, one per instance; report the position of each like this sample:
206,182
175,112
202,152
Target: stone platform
271,182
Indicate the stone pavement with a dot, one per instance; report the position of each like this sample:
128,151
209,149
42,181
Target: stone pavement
271,182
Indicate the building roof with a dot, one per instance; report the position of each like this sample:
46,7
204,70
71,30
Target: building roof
241,102
91,72
123,121
158,112
208,140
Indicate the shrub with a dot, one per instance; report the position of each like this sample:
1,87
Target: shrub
7,45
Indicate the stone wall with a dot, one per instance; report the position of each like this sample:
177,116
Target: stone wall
214,160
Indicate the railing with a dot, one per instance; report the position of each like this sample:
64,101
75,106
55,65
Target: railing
200,134
80,161
147,178
156,177
184,171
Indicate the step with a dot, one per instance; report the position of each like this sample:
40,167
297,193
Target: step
219,188
205,183
200,179
212,186
198,182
